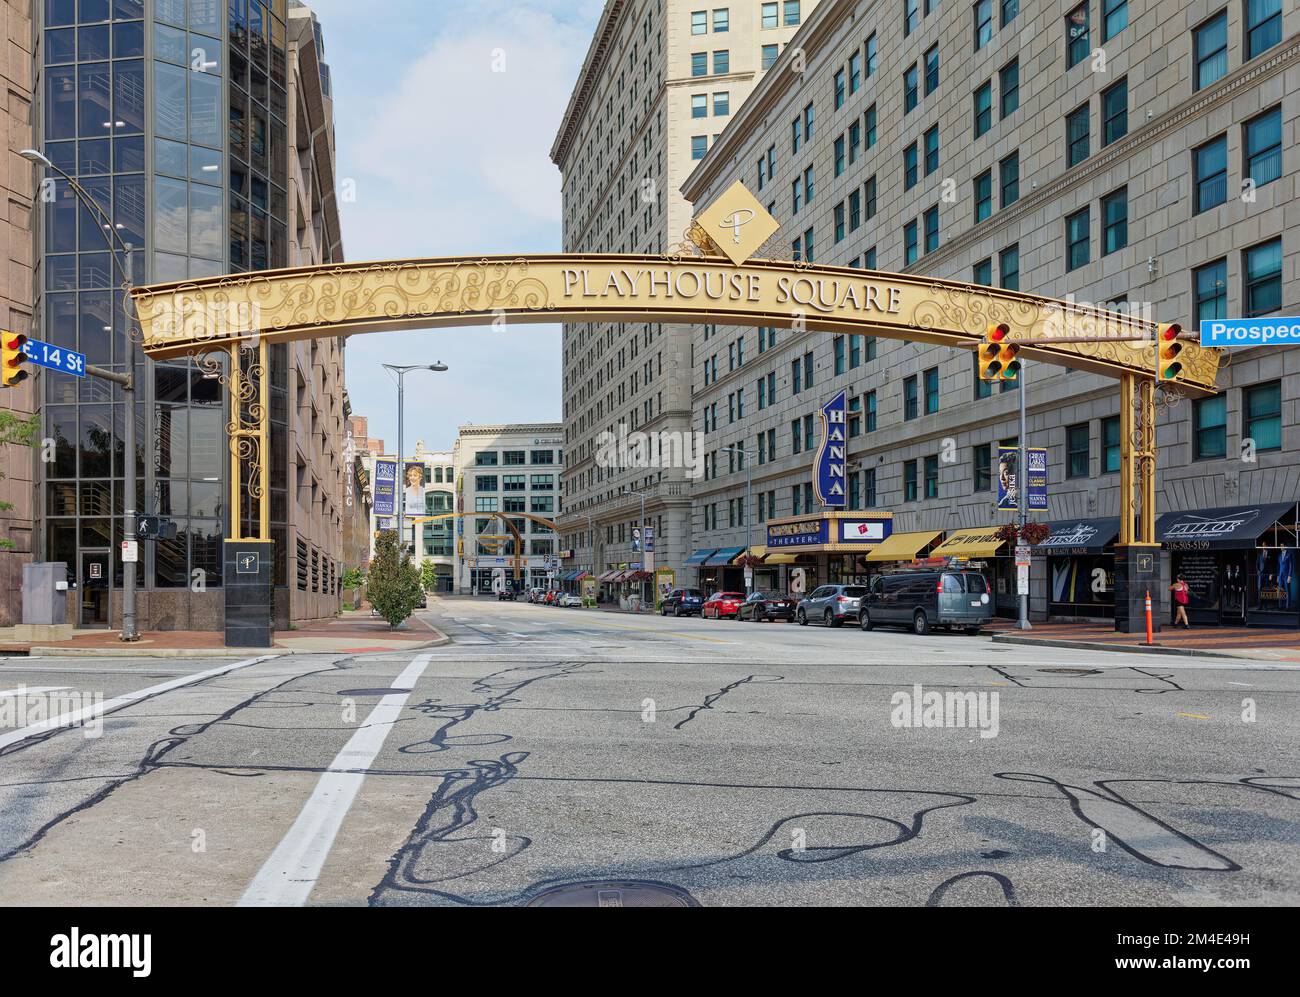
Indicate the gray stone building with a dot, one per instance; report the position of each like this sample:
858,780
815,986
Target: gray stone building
1135,153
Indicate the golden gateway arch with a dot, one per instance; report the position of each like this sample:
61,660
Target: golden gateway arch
711,280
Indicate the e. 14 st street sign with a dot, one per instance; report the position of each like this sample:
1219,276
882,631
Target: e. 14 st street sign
55,357
1278,330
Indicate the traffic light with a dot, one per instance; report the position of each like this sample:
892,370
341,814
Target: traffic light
998,359
12,358
1169,348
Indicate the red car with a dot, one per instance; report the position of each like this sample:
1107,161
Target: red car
722,604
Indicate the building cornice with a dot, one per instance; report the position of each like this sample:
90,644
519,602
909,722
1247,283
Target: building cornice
597,54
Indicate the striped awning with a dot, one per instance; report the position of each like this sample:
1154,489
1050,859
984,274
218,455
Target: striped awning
724,556
982,541
700,556
903,546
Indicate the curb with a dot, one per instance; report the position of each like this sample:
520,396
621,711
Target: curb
153,652
1126,648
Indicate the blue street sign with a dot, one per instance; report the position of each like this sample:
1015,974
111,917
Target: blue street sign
55,357
1276,331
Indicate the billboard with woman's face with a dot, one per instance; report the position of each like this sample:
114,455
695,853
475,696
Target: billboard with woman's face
413,484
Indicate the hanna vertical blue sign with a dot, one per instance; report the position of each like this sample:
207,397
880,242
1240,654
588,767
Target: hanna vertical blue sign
829,468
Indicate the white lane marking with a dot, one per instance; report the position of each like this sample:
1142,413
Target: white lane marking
287,878
33,690
118,702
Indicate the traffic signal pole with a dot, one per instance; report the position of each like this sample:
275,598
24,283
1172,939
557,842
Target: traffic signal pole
1022,494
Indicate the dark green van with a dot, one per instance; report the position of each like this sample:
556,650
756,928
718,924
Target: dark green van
923,600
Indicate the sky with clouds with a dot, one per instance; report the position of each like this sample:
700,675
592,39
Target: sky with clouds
449,157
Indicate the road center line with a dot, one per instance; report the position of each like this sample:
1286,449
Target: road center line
80,716
287,878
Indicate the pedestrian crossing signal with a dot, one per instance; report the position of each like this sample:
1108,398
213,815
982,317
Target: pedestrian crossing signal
998,359
1170,366
12,358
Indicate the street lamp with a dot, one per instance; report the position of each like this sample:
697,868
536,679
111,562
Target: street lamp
402,370
749,490
130,629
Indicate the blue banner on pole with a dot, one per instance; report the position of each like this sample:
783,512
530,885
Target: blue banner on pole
385,487
1278,330
829,467
1009,477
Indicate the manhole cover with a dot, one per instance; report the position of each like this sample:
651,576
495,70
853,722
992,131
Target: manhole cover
370,692
615,893
1071,671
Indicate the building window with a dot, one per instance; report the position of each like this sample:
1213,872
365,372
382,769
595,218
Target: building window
983,109
910,16
932,474
808,122
1210,173
909,167
769,56
721,61
1263,270
932,391
837,349
699,63
791,11
869,122
869,411
869,488
1210,51
699,22
909,243
839,222
1210,291
909,481
871,54
770,16
983,12
721,104
982,467
982,272
1263,147
1263,416
1110,449
1210,427
1076,36
931,149
699,105
1009,268
1114,220
1076,450
485,458
1114,18
909,88
841,87
808,250
983,388
1263,25
699,146
839,155
1009,87
932,69
910,398
1076,133
721,20
796,377
1010,8
1009,179
1078,250
1114,112
855,71
983,196
932,229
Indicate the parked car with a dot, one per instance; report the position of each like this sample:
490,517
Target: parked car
423,602
721,604
830,604
682,602
762,606
506,595
926,599
571,601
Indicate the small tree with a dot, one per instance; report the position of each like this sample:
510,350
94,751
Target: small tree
428,576
393,586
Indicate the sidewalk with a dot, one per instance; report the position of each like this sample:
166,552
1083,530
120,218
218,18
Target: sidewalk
1260,643
352,633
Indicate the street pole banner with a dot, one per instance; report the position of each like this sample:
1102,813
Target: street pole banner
413,483
829,467
385,487
1009,478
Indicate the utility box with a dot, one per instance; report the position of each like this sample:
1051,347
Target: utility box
45,593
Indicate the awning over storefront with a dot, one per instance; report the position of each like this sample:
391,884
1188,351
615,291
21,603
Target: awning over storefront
771,556
1079,536
981,541
700,556
637,576
903,546
609,576
580,575
1239,527
723,556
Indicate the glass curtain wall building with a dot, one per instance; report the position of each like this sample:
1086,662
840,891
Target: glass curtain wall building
172,115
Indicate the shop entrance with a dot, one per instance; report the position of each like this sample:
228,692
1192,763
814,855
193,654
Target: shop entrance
93,585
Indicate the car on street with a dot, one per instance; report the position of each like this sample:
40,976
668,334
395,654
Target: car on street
506,595
423,602
570,601
830,605
682,602
923,600
721,604
761,606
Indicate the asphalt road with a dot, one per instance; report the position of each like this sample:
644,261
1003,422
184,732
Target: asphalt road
740,763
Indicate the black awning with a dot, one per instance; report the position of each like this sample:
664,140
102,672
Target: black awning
1079,536
1223,529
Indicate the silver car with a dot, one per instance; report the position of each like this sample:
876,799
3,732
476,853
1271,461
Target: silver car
830,605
